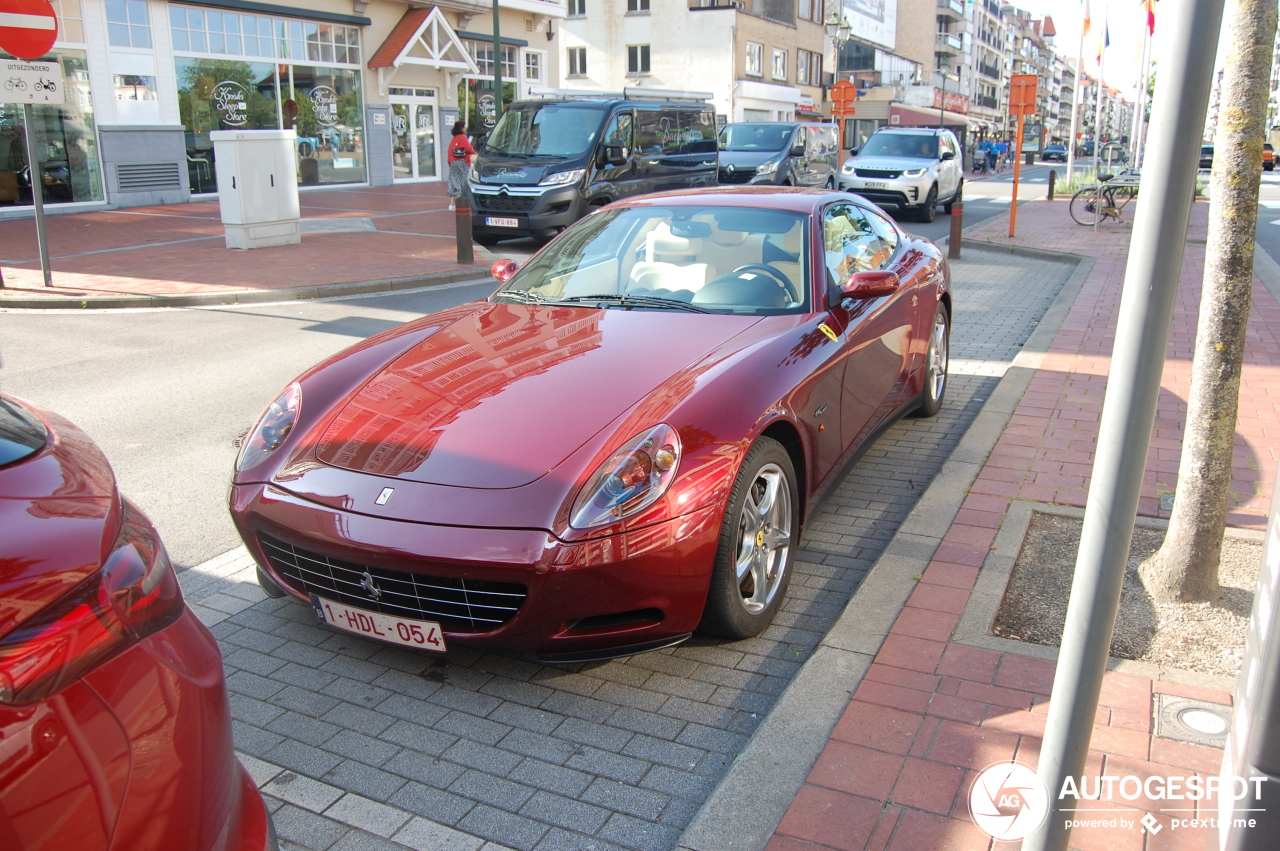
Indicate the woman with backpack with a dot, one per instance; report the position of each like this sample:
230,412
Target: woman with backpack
460,154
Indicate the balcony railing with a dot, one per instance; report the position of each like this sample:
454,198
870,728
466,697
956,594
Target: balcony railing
947,43
953,8
989,101
992,71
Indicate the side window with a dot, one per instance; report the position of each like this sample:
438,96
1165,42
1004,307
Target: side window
699,131
650,131
885,230
619,132
672,136
851,243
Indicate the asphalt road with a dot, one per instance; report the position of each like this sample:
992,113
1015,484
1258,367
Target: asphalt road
165,393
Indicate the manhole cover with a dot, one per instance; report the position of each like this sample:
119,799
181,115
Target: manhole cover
1195,721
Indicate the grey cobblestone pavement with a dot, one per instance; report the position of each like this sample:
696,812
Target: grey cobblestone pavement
358,745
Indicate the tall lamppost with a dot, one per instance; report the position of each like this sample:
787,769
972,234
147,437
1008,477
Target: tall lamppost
943,64
838,31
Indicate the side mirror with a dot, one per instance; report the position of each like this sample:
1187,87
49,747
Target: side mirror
797,150
948,155
870,284
853,152
615,153
503,270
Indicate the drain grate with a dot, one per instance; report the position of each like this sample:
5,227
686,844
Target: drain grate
1197,722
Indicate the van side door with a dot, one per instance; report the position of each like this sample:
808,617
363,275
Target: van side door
699,148
656,134
618,181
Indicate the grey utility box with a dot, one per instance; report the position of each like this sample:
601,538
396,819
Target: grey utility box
257,186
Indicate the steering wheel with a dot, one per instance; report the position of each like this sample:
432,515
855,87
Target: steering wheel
778,278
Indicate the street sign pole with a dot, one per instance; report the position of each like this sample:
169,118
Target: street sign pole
1022,102
37,192
1017,171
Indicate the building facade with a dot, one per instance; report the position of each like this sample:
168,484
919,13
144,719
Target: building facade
370,86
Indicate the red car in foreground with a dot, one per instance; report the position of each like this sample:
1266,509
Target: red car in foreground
619,446
115,732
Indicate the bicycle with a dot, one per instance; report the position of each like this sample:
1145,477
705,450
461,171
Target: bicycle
1104,200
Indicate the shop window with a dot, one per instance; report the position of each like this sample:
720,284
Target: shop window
68,168
755,59
482,52
637,59
128,24
234,34
577,61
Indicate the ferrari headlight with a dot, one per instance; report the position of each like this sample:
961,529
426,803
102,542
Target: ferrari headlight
914,172
272,429
767,167
563,178
630,481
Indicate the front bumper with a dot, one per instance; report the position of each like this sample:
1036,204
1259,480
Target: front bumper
618,594
537,211
900,192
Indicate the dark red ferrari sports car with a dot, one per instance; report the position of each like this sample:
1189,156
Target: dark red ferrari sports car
115,731
618,447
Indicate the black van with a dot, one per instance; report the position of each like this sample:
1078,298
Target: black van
549,162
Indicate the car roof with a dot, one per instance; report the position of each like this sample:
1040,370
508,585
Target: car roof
922,131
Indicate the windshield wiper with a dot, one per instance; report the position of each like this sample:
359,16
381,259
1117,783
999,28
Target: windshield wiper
637,301
522,296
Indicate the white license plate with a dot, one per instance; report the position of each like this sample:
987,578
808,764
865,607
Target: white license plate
874,184
501,223
424,635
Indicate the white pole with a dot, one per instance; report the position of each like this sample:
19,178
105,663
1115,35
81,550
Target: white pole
1145,100
1097,118
1140,108
1075,109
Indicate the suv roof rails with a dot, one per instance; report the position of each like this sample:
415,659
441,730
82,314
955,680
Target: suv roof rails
629,93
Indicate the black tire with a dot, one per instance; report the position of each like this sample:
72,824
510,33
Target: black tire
1082,205
936,359
831,183
764,492
958,197
929,209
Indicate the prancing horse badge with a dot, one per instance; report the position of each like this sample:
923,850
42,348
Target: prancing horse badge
384,496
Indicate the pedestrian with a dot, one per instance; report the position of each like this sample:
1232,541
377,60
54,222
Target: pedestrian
986,158
460,154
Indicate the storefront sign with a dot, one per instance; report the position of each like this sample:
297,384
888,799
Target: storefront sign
325,102
32,82
955,102
231,100
488,110
379,118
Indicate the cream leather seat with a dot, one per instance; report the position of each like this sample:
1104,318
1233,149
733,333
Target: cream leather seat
670,263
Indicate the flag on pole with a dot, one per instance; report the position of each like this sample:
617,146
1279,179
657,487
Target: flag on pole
1104,40
1150,6
1087,19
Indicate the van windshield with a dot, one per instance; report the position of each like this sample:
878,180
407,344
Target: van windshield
755,137
900,145
545,130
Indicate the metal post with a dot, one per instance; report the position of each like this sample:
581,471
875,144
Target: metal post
497,66
1128,410
1053,176
462,225
37,191
957,228
1017,167
942,110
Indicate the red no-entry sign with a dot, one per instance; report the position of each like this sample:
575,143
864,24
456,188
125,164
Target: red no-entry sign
28,28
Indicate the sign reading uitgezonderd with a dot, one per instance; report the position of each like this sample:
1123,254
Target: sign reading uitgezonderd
31,82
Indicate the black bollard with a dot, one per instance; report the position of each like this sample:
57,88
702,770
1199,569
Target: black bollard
957,225
462,220
1053,175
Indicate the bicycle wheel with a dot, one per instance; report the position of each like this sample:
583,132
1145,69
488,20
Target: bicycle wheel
1083,204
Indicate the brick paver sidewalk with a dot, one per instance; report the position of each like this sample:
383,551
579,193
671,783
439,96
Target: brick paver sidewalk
931,711
349,235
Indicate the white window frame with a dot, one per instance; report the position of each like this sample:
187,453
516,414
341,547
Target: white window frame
755,59
577,8
643,57
802,67
779,64
131,27
576,62
637,7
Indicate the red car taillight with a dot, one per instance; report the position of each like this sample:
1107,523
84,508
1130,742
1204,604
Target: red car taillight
133,595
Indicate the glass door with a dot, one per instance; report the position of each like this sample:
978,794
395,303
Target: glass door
413,139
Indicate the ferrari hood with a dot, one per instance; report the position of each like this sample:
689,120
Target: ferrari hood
502,395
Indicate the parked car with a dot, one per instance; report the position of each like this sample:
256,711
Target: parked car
1054,153
620,446
550,162
115,731
908,169
780,154
1268,157
1086,149
1206,156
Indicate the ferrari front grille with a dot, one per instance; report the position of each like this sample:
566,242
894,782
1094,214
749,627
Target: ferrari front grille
458,605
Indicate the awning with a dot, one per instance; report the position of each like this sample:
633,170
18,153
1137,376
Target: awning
423,37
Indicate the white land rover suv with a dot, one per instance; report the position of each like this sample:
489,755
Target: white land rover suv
908,168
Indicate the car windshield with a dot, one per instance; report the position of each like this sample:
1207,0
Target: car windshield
744,260
900,145
755,137
546,129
